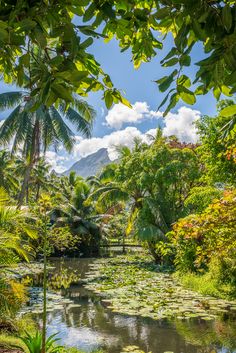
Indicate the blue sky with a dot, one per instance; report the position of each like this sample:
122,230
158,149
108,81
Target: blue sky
138,86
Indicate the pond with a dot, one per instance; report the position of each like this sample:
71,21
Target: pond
85,322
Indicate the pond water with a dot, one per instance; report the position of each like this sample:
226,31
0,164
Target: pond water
85,322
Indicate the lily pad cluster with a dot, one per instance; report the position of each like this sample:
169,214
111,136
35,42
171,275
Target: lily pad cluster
132,287
132,349
25,269
55,301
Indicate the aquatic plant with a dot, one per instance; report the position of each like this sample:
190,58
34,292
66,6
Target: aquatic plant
132,285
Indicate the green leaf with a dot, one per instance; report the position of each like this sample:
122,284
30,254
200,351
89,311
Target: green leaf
186,95
72,76
27,24
165,82
89,12
199,32
171,62
225,90
183,80
40,37
108,99
217,93
172,52
173,101
227,17
62,92
125,102
231,79
162,13
181,38
86,43
3,35
228,111
185,60
165,99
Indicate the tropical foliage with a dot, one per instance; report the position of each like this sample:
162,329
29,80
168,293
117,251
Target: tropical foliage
33,132
65,65
217,147
15,230
176,199
207,238
153,182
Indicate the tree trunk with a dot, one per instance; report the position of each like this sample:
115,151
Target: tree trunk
24,185
37,192
33,155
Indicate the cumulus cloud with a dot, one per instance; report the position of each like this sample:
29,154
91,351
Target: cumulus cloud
121,114
182,124
56,161
123,137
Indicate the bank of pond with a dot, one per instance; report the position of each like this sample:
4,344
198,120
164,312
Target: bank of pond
128,304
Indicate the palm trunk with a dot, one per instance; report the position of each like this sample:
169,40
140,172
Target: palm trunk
24,185
34,153
37,192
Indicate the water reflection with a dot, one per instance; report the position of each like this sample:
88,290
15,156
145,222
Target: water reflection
90,324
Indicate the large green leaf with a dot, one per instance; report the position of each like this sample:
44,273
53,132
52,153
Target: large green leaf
228,111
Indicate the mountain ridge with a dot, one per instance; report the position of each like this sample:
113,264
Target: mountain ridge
91,164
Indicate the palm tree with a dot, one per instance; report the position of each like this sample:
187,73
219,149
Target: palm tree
81,218
40,177
34,131
8,180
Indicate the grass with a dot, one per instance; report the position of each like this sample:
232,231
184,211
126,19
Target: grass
205,284
8,339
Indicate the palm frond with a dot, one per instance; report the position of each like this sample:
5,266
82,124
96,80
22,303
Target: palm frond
84,109
64,133
8,128
80,123
4,198
23,133
9,100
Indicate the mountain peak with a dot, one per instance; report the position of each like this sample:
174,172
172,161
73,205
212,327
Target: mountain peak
91,164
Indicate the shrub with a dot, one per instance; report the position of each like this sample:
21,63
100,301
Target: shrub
202,238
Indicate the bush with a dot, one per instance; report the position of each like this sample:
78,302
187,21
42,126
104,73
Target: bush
202,239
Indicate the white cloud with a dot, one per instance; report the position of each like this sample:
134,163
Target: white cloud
121,114
181,124
122,137
56,161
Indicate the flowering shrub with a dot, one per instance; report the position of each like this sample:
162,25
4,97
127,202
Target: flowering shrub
208,237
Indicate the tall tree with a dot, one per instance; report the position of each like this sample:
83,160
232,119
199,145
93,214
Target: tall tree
34,131
217,149
153,182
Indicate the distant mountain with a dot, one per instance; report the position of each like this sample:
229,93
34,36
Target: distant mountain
91,164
